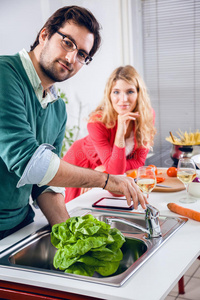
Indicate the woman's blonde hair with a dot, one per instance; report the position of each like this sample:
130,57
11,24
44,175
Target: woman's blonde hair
105,113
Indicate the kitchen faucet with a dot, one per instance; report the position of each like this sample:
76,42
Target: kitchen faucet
152,222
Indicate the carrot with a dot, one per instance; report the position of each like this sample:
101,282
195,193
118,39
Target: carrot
133,174
186,212
160,179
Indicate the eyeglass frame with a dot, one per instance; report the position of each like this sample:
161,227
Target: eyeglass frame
89,58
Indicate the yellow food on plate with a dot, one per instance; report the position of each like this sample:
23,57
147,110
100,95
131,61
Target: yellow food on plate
192,138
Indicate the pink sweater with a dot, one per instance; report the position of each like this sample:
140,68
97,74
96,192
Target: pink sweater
97,149
101,144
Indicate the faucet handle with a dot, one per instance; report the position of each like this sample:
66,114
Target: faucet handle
151,211
152,221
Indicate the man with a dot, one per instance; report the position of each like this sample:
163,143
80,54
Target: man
32,123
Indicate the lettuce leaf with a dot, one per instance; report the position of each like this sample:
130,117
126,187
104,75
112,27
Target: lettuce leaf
81,269
86,245
109,269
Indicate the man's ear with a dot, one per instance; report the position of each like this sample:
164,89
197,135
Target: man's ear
43,36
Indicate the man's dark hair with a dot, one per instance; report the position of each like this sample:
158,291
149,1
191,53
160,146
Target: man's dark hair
79,16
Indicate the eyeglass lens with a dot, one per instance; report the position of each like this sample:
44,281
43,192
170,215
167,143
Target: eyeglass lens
68,45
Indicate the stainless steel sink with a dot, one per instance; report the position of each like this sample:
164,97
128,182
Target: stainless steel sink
35,253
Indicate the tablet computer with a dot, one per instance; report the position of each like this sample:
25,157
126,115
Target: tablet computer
116,203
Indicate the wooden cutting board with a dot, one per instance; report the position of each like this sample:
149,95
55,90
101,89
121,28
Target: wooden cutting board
175,184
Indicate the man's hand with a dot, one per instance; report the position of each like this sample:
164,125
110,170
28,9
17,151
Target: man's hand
120,184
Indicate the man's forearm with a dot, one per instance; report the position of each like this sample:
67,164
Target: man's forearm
53,207
72,176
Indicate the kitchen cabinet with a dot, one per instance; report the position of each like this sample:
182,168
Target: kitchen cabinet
16,291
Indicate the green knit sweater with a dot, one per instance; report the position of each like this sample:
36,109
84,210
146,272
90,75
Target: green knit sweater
24,125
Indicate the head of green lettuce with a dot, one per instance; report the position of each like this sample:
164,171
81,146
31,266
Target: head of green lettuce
86,245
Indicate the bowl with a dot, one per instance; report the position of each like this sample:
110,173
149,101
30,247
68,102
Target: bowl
196,159
194,189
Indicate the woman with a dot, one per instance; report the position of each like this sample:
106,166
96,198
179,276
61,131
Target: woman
121,129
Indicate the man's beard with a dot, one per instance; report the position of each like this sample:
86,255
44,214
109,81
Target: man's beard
50,72
49,68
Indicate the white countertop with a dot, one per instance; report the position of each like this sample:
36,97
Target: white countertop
153,281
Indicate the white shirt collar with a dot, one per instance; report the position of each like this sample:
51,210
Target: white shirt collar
51,94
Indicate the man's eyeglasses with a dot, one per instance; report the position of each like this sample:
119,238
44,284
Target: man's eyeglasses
70,46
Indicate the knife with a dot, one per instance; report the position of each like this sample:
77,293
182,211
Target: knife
164,186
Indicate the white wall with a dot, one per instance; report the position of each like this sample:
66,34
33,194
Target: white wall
85,89
20,21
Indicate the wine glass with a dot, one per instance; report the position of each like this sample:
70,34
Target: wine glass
186,172
146,179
